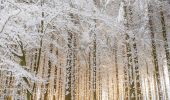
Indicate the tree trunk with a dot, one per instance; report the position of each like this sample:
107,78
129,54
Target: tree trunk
165,39
129,56
136,62
154,52
117,71
148,81
94,67
69,67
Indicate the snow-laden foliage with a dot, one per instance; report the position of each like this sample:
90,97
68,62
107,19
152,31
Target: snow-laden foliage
84,49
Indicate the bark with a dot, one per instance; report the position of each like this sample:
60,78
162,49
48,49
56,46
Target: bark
166,46
148,80
117,71
74,68
89,74
69,67
56,78
154,52
126,83
48,75
136,61
129,56
94,68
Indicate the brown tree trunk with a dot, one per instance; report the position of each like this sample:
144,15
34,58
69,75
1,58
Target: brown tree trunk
117,71
94,68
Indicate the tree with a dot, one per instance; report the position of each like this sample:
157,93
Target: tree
154,52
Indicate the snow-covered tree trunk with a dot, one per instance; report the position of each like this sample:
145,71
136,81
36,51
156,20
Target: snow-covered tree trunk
117,70
129,54
125,71
69,67
56,76
73,83
94,67
135,58
89,75
154,53
165,38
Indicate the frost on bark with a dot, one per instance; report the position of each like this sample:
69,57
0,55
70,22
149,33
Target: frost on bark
69,67
48,84
154,53
94,67
131,88
165,38
23,63
70,70
135,59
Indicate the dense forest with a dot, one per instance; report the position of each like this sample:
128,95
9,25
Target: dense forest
84,49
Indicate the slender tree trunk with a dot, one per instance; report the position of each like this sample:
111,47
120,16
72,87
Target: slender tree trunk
136,62
60,86
38,56
56,78
69,68
9,96
148,81
129,55
108,89
48,75
117,71
100,85
94,68
126,84
165,39
89,75
74,68
154,53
